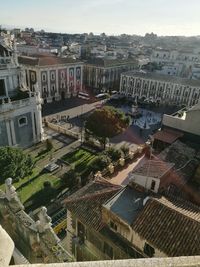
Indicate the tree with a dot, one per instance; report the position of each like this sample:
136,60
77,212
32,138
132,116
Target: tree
99,163
114,153
14,163
106,123
70,178
49,145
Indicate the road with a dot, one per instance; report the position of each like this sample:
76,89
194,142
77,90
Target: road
73,112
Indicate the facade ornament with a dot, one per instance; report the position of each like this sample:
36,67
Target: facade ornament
44,221
10,190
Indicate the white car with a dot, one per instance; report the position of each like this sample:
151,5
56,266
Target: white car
51,167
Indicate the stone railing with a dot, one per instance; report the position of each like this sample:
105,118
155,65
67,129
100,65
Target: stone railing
8,105
62,130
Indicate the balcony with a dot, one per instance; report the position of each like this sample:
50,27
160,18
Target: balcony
8,105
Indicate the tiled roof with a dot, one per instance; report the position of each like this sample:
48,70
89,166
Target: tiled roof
100,62
153,168
87,203
170,225
178,153
167,136
45,60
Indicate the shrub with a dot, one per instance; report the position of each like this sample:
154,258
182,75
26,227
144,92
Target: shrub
99,163
70,178
46,184
49,145
125,150
113,153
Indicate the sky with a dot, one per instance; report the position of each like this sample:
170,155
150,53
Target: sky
163,17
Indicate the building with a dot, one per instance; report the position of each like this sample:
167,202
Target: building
87,236
186,121
35,49
109,222
54,77
160,88
20,112
103,75
151,175
157,226
7,254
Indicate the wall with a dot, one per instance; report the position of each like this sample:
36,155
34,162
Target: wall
145,181
191,123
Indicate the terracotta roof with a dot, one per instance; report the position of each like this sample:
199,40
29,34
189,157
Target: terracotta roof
86,204
153,168
45,60
101,62
167,136
170,225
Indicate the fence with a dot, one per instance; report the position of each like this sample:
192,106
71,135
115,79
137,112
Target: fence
62,130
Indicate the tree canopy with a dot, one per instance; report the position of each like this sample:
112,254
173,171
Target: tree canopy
14,163
106,123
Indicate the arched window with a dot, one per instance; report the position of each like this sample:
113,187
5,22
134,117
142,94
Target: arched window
44,77
22,121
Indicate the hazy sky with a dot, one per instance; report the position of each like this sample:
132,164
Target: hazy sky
164,17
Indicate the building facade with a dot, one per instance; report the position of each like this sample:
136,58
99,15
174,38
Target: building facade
55,78
160,88
87,238
102,75
20,112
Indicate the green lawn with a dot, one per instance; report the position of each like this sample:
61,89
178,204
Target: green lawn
80,158
26,189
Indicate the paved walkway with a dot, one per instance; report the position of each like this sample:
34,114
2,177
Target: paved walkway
122,177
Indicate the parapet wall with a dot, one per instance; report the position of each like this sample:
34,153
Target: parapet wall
34,239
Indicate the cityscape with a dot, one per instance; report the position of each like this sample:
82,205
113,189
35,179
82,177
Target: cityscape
100,133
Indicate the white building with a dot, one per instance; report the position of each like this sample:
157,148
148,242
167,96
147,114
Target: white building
179,63
160,88
20,112
185,121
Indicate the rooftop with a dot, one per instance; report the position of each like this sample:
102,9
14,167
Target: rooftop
171,225
167,136
87,203
127,204
110,63
163,78
153,168
45,60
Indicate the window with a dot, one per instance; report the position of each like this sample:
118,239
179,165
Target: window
52,76
22,121
113,225
73,222
2,88
71,73
62,74
108,250
78,72
44,77
33,76
149,250
153,184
